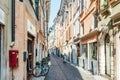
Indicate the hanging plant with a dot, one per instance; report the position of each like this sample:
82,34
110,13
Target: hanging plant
105,4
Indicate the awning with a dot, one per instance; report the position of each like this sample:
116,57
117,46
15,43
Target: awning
90,37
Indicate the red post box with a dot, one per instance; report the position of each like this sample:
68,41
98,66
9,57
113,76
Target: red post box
13,58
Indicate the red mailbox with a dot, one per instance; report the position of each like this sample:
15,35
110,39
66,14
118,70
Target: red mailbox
13,58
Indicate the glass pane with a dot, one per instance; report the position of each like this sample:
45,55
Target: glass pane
107,58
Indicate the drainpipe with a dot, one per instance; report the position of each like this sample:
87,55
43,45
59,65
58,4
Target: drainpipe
12,28
13,21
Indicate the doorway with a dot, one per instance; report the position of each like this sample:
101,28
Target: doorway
1,49
30,49
107,55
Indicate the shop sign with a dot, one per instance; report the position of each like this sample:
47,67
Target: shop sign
2,16
30,28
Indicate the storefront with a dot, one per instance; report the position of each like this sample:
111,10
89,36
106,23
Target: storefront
93,63
107,55
77,44
31,33
85,56
30,49
89,52
116,44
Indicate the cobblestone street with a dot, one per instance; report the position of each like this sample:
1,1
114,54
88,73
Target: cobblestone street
66,71
62,71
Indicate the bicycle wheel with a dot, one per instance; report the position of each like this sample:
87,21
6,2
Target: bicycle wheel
36,72
45,69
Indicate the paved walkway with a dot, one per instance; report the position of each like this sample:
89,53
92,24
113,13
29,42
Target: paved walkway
62,71
65,71
40,78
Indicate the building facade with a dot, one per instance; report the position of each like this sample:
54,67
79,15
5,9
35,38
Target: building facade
5,37
29,36
90,35
109,39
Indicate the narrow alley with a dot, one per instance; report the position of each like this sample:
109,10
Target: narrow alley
62,71
36,33
66,71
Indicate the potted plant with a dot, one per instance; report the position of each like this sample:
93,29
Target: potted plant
37,63
105,4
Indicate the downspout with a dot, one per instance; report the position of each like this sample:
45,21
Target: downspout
12,28
13,21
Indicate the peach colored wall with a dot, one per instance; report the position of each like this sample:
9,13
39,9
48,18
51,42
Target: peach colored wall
87,24
21,39
86,17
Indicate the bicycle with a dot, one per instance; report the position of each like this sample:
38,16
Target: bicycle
41,69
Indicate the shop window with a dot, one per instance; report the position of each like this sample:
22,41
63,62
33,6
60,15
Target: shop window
78,50
85,50
94,56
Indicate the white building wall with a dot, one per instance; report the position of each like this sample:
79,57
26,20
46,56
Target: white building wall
117,41
101,57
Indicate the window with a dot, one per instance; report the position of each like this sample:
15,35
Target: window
94,56
78,50
83,29
84,50
107,55
37,8
82,5
94,21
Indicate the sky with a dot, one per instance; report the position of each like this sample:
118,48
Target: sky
55,6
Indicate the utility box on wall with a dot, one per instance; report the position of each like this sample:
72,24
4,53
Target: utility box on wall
25,56
13,58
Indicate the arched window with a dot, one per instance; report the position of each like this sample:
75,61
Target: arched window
107,55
